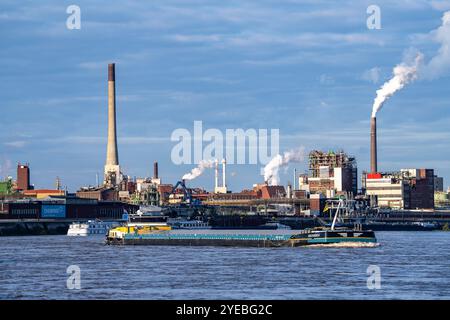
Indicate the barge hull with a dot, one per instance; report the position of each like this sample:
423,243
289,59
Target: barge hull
209,242
246,238
234,242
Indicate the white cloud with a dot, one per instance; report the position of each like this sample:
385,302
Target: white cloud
440,63
97,140
305,39
16,144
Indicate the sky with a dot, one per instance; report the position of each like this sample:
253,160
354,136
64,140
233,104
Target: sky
308,68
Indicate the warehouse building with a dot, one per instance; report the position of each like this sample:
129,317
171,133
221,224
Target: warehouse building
438,184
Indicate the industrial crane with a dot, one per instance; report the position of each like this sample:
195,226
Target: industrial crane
186,192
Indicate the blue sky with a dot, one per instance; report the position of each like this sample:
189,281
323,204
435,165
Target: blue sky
303,67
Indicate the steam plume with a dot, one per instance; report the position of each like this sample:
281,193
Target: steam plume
196,172
271,169
403,74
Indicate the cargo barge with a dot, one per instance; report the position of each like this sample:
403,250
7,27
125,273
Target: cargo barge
240,238
162,234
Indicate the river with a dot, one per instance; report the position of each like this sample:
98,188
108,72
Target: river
411,265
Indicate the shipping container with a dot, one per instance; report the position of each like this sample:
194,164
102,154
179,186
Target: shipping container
53,211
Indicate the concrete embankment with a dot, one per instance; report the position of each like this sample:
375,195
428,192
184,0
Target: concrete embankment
32,228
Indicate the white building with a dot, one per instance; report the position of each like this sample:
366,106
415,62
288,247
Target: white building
389,190
406,189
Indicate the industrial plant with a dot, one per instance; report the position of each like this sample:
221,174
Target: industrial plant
407,198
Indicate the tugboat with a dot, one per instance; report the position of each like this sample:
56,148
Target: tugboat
325,236
335,235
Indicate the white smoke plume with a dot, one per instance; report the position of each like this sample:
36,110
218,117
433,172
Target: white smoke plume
196,172
403,74
271,170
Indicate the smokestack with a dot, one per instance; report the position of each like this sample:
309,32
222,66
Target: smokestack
155,170
295,178
112,157
373,145
224,177
216,175
112,169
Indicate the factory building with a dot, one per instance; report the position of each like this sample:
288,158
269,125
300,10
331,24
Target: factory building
317,204
390,190
245,195
264,191
407,189
273,192
164,191
422,188
99,194
441,199
330,173
23,177
147,190
438,184
144,183
43,193
259,191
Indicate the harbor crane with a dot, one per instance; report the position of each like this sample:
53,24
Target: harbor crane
186,193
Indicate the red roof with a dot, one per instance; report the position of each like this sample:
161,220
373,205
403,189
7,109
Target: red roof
269,192
42,191
374,176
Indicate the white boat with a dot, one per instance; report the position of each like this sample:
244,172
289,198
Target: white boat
149,210
426,225
91,227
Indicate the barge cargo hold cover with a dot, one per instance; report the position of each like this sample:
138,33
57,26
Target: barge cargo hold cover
243,238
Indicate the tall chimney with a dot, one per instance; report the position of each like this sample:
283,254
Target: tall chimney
295,178
155,170
373,145
224,176
216,175
112,169
112,157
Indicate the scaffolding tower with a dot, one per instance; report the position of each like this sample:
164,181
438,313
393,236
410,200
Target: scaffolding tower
330,159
